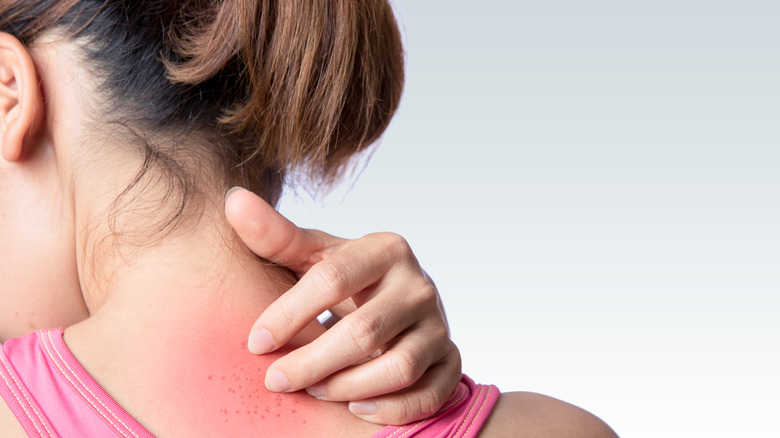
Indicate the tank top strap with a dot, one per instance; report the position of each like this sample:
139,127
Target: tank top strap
66,399
18,397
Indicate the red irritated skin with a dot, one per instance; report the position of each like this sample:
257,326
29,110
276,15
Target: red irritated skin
185,370
234,398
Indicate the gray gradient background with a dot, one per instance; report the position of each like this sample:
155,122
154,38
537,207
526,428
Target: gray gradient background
595,188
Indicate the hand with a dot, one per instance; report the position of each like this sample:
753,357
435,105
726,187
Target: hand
392,321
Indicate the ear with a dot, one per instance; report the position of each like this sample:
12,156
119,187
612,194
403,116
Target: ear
21,102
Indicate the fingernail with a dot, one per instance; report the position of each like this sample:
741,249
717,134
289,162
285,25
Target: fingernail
260,341
233,190
363,408
317,390
276,381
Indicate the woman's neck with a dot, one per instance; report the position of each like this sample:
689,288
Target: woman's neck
167,339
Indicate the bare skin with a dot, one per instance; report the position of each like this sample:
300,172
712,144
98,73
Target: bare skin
526,414
199,380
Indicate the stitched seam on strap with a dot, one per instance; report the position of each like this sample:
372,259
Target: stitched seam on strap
476,416
26,400
73,374
408,431
479,395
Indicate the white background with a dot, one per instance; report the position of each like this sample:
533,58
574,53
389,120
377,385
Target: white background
595,188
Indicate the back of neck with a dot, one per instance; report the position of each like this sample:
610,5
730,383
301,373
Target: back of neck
168,342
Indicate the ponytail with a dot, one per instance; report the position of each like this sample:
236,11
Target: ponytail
320,79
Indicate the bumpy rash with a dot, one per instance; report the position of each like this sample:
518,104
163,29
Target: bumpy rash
221,387
242,404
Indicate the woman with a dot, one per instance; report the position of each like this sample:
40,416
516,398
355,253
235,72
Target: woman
123,125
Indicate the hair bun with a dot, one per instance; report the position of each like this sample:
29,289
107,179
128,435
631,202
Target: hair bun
317,80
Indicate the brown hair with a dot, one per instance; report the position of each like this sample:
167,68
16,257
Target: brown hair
275,85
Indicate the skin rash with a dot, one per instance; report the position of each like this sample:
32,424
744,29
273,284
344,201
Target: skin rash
202,380
234,398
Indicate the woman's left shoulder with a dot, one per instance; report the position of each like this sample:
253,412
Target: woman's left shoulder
520,414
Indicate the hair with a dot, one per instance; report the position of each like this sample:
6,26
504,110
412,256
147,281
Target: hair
273,86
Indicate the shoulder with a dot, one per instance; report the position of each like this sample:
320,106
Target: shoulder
526,414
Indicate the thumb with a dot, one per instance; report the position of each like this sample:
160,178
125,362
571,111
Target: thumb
271,236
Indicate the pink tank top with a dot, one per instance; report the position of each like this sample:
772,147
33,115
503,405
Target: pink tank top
52,395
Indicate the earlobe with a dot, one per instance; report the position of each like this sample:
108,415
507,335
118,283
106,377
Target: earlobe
21,103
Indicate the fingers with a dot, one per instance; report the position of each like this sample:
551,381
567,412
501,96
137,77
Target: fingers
409,381
404,362
271,236
420,400
350,272
351,340
385,300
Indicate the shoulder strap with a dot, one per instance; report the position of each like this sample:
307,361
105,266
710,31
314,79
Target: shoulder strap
18,398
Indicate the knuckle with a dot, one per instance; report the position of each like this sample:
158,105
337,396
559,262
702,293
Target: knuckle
424,302
438,332
396,245
331,278
424,295
419,405
407,411
454,360
403,369
455,352
429,401
364,334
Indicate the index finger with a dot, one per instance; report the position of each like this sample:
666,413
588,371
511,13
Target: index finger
346,273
